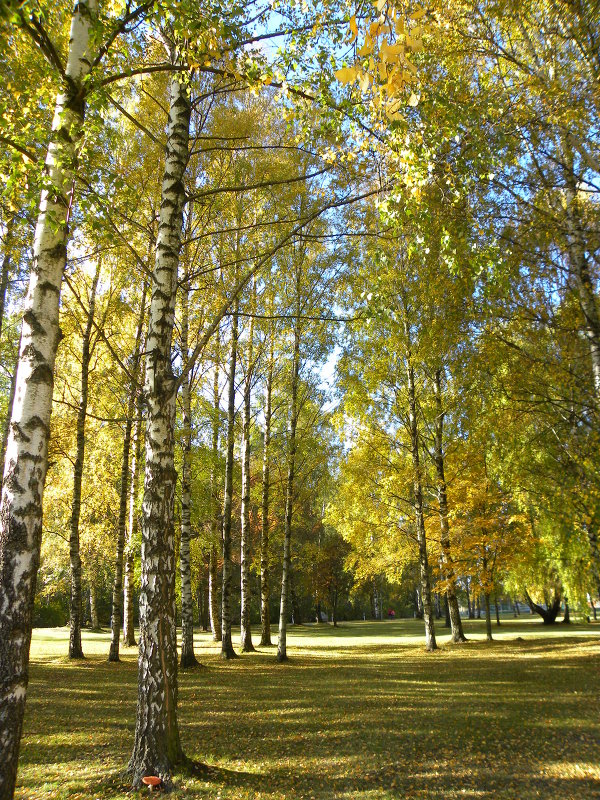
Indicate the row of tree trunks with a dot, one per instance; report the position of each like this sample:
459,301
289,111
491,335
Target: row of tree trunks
116,619
157,746
75,608
26,460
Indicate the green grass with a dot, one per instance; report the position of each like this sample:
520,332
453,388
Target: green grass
358,712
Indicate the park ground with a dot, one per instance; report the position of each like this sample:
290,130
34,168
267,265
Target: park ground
361,711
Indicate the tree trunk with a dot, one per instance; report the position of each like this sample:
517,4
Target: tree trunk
128,610
418,604
157,747
265,588
213,577
26,461
227,650
116,618
497,610
447,621
594,556
447,561
289,488
430,642
488,617
188,658
470,611
75,608
203,600
550,614
567,616
245,629
93,608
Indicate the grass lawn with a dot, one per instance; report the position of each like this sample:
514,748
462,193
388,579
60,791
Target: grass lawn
358,712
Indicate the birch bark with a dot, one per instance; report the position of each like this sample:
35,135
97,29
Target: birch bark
157,747
26,460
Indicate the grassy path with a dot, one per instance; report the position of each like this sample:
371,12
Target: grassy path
360,712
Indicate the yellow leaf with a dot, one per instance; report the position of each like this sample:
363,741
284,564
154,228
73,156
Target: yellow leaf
411,67
353,28
393,110
346,74
367,47
413,100
380,4
417,14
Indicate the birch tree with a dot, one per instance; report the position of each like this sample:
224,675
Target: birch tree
157,746
26,453
75,650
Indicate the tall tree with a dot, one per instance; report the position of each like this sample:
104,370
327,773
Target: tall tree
227,650
291,466
245,629
26,453
116,619
75,650
157,746
265,588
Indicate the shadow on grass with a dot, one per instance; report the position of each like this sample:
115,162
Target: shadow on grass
506,721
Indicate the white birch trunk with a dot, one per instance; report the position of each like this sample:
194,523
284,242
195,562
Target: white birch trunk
26,458
157,747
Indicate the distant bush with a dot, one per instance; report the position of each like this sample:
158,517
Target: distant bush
50,613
